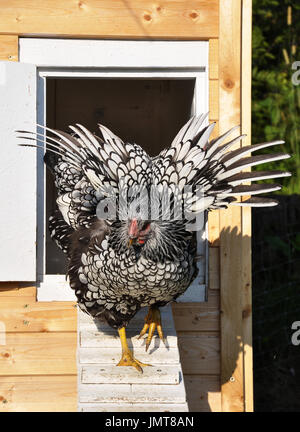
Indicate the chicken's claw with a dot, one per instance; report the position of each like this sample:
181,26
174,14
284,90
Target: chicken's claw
152,322
129,360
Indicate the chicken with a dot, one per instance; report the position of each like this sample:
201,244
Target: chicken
127,221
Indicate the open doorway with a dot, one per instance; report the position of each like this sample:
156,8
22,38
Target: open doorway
146,111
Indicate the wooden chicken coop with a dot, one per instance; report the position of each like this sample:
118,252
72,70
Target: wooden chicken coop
137,66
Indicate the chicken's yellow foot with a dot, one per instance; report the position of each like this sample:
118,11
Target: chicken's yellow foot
152,322
127,355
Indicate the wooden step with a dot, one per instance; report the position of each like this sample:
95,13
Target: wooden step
112,355
139,393
109,373
102,386
97,339
134,407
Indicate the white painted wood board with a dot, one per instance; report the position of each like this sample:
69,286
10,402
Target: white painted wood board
102,386
114,54
132,393
163,355
17,173
110,373
135,407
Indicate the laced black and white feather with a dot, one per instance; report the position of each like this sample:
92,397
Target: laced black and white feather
89,169
213,169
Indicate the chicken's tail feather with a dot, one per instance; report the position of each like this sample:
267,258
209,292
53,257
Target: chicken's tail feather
217,169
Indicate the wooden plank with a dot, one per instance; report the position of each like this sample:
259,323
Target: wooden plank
118,19
199,353
213,100
162,355
9,47
16,289
38,354
129,54
213,59
111,374
94,393
247,309
214,269
105,393
38,393
110,339
21,314
159,393
246,212
230,219
198,316
137,407
214,228
203,393
213,216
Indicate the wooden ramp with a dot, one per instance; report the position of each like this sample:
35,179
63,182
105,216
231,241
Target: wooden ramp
104,387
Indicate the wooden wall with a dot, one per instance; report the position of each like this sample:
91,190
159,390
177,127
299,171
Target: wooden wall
38,363
38,369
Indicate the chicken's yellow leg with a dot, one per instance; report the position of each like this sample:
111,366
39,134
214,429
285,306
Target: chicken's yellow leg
127,355
152,322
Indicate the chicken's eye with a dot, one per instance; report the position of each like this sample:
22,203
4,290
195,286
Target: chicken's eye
145,226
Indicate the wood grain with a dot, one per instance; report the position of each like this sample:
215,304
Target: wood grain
198,316
213,100
20,314
214,269
160,374
199,353
134,407
230,219
213,59
38,354
214,228
38,393
203,393
214,216
9,47
106,19
17,289
246,212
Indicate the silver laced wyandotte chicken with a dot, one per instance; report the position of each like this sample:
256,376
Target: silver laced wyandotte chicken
121,256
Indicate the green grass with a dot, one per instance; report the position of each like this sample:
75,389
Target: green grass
275,99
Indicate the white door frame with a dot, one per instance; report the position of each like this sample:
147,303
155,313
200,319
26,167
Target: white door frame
76,58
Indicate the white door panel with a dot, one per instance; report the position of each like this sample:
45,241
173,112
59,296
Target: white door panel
17,173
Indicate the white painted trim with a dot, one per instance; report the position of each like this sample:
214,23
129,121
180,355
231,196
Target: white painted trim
150,73
114,59
41,182
55,288
113,53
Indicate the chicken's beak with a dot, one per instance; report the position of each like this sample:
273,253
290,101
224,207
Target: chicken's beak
130,241
132,231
